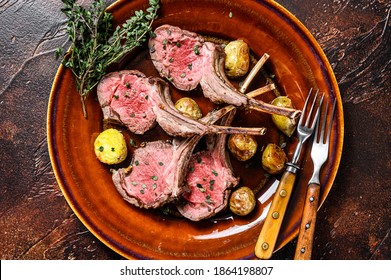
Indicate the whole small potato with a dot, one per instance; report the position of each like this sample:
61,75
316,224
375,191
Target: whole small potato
284,124
242,146
237,60
242,201
189,107
273,159
110,146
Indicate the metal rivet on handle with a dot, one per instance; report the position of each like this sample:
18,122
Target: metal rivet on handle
312,199
265,246
275,215
302,250
307,225
283,193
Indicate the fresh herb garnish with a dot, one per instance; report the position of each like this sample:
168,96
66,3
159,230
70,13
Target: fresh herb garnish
196,50
208,200
132,143
201,188
95,43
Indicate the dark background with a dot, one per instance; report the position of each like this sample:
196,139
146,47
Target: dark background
354,222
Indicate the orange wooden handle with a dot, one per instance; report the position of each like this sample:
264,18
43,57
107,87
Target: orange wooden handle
267,238
308,221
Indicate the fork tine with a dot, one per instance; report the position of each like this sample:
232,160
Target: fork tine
330,123
312,108
322,131
305,106
316,130
316,118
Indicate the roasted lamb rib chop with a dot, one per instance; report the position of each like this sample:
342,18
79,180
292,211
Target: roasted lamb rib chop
124,98
187,60
155,176
209,179
138,102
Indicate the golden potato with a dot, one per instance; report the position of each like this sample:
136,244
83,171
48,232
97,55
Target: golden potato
110,146
188,107
242,146
273,159
237,60
284,124
242,201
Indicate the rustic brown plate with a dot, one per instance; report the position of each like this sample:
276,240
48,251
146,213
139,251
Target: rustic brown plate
298,63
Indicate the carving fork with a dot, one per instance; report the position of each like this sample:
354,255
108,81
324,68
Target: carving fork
319,155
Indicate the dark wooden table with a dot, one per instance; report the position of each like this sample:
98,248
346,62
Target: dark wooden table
354,222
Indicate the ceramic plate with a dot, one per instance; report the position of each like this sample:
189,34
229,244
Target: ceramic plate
297,64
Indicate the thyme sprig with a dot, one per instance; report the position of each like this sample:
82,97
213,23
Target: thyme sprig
95,43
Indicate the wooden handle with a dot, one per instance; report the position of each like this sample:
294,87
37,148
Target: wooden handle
271,228
308,221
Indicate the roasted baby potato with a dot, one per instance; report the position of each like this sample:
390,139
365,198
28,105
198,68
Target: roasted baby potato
273,159
237,60
242,201
110,146
188,107
242,146
284,124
